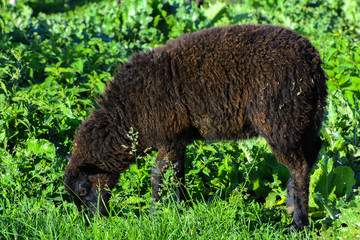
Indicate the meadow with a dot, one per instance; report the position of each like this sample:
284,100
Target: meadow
55,59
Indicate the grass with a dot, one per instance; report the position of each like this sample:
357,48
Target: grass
34,219
55,63
219,219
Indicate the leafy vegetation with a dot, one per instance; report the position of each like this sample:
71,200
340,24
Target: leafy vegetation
55,59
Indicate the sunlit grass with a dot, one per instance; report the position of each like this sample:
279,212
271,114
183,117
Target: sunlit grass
54,62
218,219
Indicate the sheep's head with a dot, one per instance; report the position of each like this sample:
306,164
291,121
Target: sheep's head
88,184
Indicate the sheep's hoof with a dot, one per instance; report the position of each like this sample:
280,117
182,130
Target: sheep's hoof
293,228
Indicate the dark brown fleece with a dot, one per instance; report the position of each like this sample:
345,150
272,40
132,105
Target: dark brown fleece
222,83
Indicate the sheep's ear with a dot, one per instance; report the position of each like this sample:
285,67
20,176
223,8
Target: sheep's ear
90,169
68,157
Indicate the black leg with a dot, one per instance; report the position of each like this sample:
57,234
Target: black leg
179,171
164,159
157,173
300,189
299,161
290,197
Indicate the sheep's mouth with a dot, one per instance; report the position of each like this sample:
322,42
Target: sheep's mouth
91,210
95,212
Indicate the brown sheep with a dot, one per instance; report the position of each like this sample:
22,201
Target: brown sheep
231,82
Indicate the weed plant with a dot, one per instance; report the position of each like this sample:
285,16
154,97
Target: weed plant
55,59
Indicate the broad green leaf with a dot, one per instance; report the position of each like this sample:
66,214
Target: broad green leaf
40,147
321,181
68,112
344,180
78,66
3,87
271,200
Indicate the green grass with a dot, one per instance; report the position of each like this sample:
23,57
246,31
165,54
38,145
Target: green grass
54,63
218,219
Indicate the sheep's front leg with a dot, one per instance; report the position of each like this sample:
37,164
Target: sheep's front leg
157,172
164,159
179,171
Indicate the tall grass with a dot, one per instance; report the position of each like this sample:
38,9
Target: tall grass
55,63
218,219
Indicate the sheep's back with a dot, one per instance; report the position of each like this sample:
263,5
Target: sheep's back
238,81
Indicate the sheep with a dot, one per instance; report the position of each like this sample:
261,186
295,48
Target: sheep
224,83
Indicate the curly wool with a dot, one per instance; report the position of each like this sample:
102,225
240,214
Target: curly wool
222,83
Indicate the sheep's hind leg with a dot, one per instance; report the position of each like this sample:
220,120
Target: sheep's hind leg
290,197
176,159
299,161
